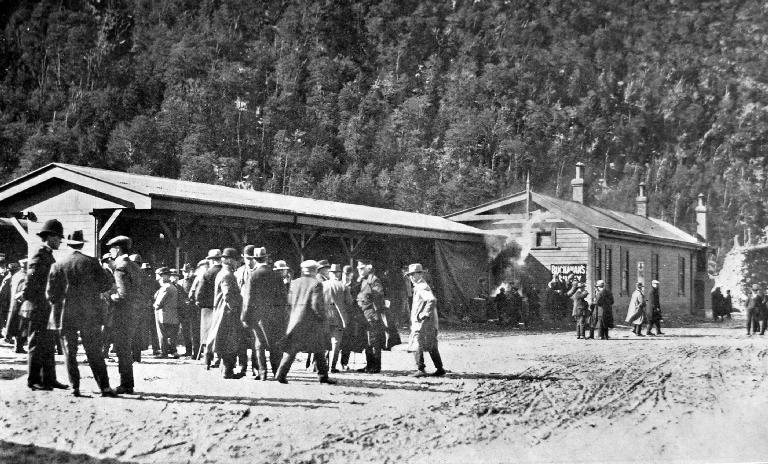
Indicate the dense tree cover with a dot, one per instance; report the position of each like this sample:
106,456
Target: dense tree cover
427,106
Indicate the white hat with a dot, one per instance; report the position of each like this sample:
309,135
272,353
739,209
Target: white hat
654,282
309,264
599,283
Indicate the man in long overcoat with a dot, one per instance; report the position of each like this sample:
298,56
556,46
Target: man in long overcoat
264,311
42,340
653,309
424,323
307,329
338,301
225,331
370,299
127,312
604,310
74,290
636,310
204,295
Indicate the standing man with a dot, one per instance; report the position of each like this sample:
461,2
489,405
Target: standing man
225,332
127,300
264,315
166,305
190,320
424,323
604,308
42,341
15,327
307,330
370,299
204,297
654,309
754,303
636,310
337,301
580,311
323,270
74,290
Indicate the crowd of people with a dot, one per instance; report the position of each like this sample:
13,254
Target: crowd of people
230,303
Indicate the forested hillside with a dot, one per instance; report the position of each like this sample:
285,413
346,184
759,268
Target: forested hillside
427,106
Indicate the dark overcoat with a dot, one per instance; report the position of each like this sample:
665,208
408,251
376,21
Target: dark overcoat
604,310
653,309
226,329
265,303
307,321
74,290
35,302
129,293
16,325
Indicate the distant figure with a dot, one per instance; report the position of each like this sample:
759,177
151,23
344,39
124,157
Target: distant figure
501,304
728,304
636,310
717,303
653,309
580,311
754,305
424,323
604,310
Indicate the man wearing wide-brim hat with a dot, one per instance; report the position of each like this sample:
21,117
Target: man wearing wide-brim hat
424,323
204,297
75,286
42,341
755,303
307,330
226,329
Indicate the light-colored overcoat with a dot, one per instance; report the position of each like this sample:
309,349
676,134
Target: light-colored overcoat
424,319
636,309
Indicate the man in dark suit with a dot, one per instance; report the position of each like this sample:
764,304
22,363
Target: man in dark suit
127,299
654,309
226,329
307,330
74,290
264,312
204,299
42,341
370,299
754,303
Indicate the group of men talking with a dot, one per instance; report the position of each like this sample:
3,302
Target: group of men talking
256,305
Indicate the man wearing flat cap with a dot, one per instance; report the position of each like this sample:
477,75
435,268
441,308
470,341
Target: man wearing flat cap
225,332
424,323
127,300
75,285
370,299
42,341
307,330
264,311
755,304
205,292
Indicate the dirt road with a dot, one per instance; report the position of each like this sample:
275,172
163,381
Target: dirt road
696,394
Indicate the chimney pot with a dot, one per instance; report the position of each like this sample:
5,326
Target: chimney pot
577,184
641,201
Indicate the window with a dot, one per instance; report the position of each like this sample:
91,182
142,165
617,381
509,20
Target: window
624,271
608,268
681,276
544,239
655,267
598,262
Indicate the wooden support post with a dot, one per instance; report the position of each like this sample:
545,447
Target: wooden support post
110,222
175,239
301,240
20,229
352,247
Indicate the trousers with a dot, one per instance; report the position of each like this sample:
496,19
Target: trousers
288,358
168,335
124,333
260,345
41,363
92,345
434,353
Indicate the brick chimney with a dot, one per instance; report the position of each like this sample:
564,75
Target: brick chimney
701,219
641,201
577,184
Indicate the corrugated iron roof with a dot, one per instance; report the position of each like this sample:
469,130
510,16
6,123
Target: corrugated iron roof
187,191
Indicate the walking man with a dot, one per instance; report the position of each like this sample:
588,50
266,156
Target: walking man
42,341
307,330
74,290
128,305
264,315
337,301
636,310
654,309
424,323
226,330
204,298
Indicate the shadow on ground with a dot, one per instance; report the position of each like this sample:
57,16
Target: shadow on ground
30,454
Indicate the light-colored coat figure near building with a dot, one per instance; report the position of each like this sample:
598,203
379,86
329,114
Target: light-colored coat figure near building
338,303
636,310
424,323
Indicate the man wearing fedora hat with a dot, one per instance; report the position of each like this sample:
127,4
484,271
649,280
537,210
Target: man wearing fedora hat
127,299
246,337
225,332
166,306
653,309
338,301
264,311
205,293
307,330
754,305
74,290
424,323
42,341
370,299
604,309
636,310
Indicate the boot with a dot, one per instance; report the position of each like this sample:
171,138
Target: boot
591,334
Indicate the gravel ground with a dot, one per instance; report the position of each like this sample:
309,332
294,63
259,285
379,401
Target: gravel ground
695,394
